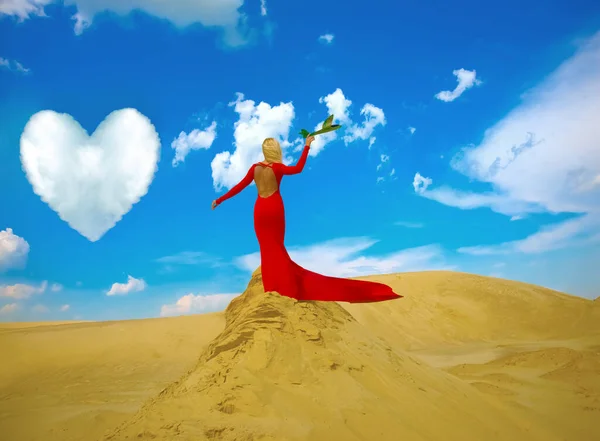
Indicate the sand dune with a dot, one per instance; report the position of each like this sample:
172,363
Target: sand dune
4,326
462,357
75,381
443,308
554,387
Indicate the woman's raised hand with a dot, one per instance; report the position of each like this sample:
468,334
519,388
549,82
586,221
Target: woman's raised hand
214,205
309,140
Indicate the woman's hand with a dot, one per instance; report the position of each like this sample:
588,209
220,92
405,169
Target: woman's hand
214,204
309,140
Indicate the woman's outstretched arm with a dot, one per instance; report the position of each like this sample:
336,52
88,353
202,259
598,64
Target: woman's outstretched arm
295,169
236,188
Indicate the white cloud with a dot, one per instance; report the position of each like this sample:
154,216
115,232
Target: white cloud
412,130
545,151
374,117
326,38
197,304
259,121
256,122
542,157
263,7
469,200
9,309
190,258
466,79
339,106
384,159
65,308
223,14
23,9
481,250
409,224
132,285
195,140
13,65
185,258
13,250
421,183
39,309
90,181
569,233
21,291
344,258
56,287
320,141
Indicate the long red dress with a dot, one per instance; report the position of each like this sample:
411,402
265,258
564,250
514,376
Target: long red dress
279,272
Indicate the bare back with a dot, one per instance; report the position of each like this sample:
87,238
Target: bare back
265,179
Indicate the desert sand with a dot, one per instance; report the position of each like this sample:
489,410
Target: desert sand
461,357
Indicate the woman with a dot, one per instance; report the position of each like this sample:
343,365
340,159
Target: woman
279,272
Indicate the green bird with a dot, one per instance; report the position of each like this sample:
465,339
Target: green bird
327,126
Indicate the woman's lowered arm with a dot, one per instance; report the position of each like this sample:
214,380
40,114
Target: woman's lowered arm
236,188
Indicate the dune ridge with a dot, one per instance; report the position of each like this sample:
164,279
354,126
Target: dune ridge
288,370
461,357
444,308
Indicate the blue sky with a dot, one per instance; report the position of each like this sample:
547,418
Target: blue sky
470,142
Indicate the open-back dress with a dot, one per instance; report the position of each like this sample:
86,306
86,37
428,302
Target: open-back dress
279,272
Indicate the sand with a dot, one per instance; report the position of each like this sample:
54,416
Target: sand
461,357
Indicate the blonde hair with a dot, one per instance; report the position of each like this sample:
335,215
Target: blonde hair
272,150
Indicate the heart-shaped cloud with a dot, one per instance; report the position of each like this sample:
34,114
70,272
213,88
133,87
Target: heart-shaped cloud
90,181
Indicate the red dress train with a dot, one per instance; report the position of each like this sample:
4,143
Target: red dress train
279,272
